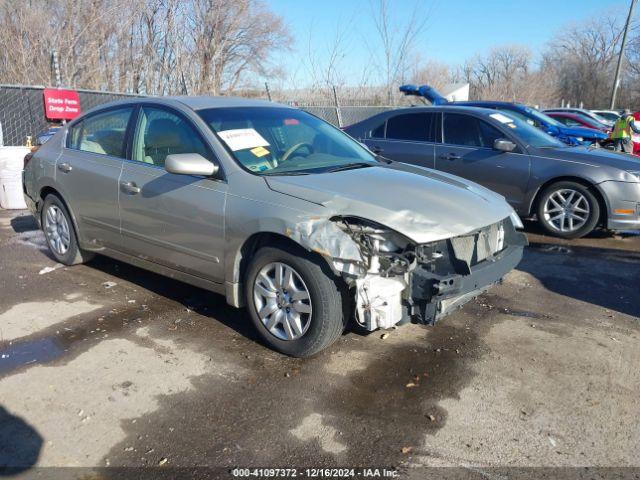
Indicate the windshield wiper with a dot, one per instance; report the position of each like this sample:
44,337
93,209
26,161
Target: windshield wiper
382,159
349,166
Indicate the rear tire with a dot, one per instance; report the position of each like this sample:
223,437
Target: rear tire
568,210
60,234
300,313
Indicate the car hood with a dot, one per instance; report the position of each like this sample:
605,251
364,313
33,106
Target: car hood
582,132
422,204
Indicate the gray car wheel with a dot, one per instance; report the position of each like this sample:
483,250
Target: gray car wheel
60,234
568,210
294,300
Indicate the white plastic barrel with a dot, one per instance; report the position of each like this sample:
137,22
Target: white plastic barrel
11,165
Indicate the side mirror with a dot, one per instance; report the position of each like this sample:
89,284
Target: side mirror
504,145
189,164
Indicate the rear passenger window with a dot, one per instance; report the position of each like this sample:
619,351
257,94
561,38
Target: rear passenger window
102,133
410,126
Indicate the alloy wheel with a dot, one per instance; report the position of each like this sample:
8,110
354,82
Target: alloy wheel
56,229
282,301
566,210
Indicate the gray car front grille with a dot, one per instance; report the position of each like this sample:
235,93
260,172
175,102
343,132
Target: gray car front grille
480,245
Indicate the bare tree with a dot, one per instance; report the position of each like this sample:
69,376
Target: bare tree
581,57
231,40
148,46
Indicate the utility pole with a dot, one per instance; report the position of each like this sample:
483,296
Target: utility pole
616,80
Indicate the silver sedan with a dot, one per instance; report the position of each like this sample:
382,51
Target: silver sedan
275,209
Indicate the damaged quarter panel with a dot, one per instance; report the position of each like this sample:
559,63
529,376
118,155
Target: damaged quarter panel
253,209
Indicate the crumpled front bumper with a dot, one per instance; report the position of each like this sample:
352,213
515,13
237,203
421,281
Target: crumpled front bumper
432,295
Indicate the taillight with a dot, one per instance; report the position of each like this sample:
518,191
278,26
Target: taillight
27,157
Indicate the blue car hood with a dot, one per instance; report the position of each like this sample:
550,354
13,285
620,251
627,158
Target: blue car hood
582,132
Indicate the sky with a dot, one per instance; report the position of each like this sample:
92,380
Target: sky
456,29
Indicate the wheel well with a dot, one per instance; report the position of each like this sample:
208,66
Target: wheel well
49,190
52,191
262,239
603,205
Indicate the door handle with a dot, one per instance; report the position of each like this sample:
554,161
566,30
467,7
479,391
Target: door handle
65,167
130,187
450,156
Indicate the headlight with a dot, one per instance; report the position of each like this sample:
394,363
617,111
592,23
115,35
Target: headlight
375,238
515,220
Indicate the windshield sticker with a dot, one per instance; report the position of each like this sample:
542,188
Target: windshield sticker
242,139
259,151
501,118
291,121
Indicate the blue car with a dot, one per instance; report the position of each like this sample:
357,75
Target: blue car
569,135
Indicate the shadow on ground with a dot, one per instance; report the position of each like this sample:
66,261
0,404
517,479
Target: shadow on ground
20,444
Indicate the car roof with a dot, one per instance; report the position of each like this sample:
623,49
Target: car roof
439,108
202,102
566,109
194,102
489,103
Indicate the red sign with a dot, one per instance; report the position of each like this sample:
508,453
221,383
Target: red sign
61,104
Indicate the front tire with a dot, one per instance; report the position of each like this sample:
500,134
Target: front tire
294,300
60,234
568,210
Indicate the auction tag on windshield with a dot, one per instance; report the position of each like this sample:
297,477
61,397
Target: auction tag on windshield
501,118
242,138
259,151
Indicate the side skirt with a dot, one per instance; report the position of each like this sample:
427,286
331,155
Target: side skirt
219,288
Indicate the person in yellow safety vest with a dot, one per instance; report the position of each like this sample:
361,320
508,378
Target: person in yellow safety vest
623,131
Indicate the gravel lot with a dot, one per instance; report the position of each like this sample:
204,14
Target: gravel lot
108,365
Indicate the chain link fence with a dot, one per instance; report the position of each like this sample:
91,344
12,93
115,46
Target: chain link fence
22,111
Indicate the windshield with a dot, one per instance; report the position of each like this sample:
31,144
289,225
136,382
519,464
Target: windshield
542,117
610,116
527,133
533,117
590,121
284,141
597,117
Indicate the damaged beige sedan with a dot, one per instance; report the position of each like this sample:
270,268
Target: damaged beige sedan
274,208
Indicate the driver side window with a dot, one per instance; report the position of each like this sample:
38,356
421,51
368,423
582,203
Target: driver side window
160,133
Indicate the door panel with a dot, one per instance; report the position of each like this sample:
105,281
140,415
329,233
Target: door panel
415,153
467,156
174,220
505,173
88,172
